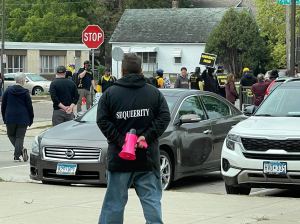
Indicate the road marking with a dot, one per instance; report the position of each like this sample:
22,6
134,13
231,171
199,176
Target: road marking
8,167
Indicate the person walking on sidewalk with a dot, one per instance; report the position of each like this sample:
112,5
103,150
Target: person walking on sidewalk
64,96
182,81
17,114
131,103
84,81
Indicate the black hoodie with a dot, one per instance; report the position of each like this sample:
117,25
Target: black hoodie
131,103
16,106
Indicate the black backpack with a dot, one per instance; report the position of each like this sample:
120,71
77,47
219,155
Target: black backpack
153,81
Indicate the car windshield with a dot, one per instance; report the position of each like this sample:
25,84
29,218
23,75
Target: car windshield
283,102
35,77
91,115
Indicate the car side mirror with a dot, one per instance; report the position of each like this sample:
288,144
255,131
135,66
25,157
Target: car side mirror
249,111
188,118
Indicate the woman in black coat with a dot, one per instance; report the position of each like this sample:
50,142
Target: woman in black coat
17,114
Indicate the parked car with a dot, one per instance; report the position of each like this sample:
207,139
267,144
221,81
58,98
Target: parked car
264,150
75,151
35,83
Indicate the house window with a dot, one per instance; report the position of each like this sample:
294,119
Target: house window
177,60
15,63
49,63
147,57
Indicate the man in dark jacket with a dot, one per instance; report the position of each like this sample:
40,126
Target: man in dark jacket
64,96
132,104
195,79
17,114
84,81
247,79
210,80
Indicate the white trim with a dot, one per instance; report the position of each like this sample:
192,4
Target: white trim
176,53
143,49
44,46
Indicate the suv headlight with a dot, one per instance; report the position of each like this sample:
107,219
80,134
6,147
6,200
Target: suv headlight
231,139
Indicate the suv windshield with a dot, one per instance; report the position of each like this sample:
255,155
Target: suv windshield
35,77
283,102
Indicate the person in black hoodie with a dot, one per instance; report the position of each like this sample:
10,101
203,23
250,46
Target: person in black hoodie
210,80
17,114
132,104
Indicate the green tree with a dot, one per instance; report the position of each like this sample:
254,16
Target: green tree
237,42
271,21
43,21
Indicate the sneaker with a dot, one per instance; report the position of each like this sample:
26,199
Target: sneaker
17,159
24,154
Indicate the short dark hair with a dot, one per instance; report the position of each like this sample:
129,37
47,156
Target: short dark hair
131,63
183,68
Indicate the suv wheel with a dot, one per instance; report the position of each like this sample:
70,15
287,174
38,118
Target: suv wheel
237,190
166,170
37,90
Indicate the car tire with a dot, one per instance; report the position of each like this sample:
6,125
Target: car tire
37,90
166,170
237,190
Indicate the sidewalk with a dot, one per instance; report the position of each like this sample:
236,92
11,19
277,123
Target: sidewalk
35,129
30,203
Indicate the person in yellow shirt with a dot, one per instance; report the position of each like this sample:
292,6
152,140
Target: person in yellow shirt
160,78
105,81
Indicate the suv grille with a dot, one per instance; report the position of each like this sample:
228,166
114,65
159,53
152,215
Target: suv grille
267,156
262,145
72,153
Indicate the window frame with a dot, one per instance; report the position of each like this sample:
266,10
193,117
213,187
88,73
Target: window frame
200,104
208,95
12,60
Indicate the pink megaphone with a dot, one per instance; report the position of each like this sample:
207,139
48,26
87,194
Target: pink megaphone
128,149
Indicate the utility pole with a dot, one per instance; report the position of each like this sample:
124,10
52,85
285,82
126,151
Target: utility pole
288,37
3,41
293,37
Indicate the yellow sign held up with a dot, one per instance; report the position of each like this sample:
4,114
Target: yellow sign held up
208,60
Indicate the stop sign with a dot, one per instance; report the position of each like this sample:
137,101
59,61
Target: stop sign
93,36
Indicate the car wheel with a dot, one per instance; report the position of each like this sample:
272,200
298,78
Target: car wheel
237,190
166,170
37,90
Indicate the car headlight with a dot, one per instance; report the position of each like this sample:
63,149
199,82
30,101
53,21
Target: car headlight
231,139
35,148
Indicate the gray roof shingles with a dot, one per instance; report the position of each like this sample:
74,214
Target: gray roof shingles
182,25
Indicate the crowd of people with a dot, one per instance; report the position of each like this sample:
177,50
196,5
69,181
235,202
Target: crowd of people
69,88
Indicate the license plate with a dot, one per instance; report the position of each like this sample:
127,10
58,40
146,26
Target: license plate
66,169
279,168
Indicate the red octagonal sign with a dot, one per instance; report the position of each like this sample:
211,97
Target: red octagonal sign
93,36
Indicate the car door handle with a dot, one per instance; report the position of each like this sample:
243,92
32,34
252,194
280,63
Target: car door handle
207,132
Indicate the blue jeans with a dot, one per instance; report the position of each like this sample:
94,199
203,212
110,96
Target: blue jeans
148,188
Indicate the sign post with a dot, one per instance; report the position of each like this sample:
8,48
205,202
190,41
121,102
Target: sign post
93,37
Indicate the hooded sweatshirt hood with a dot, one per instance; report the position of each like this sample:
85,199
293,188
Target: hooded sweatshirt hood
17,90
131,81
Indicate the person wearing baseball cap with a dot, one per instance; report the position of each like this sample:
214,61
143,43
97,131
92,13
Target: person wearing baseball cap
84,82
64,96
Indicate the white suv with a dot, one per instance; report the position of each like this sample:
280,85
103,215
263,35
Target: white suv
264,150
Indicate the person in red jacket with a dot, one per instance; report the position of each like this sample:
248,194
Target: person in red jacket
259,89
